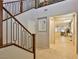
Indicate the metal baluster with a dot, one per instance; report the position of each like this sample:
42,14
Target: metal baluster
21,37
6,28
25,39
31,42
28,42
12,8
11,30
23,6
6,32
18,34
9,9
16,31
15,8
19,7
6,13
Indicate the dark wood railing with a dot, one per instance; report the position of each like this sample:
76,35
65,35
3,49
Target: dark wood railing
43,3
14,33
18,7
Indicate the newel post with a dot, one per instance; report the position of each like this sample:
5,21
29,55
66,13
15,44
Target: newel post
21,6
34,48
1,25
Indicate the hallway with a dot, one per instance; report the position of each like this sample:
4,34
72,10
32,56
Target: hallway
62,49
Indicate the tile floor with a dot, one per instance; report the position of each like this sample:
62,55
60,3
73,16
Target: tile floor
62,49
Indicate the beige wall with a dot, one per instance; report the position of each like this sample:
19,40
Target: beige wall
75,29
51,30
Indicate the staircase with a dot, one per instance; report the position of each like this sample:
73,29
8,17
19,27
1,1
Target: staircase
14,33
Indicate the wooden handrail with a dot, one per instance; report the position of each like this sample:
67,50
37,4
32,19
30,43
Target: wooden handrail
16,20
10,2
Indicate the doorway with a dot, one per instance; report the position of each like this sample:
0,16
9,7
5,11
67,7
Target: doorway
63,35
62,38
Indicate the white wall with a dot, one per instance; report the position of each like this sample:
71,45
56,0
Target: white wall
67,6
63,7
28,20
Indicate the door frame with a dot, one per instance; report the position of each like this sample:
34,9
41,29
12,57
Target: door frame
1,24
75,30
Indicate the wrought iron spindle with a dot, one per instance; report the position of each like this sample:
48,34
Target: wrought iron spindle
6,31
